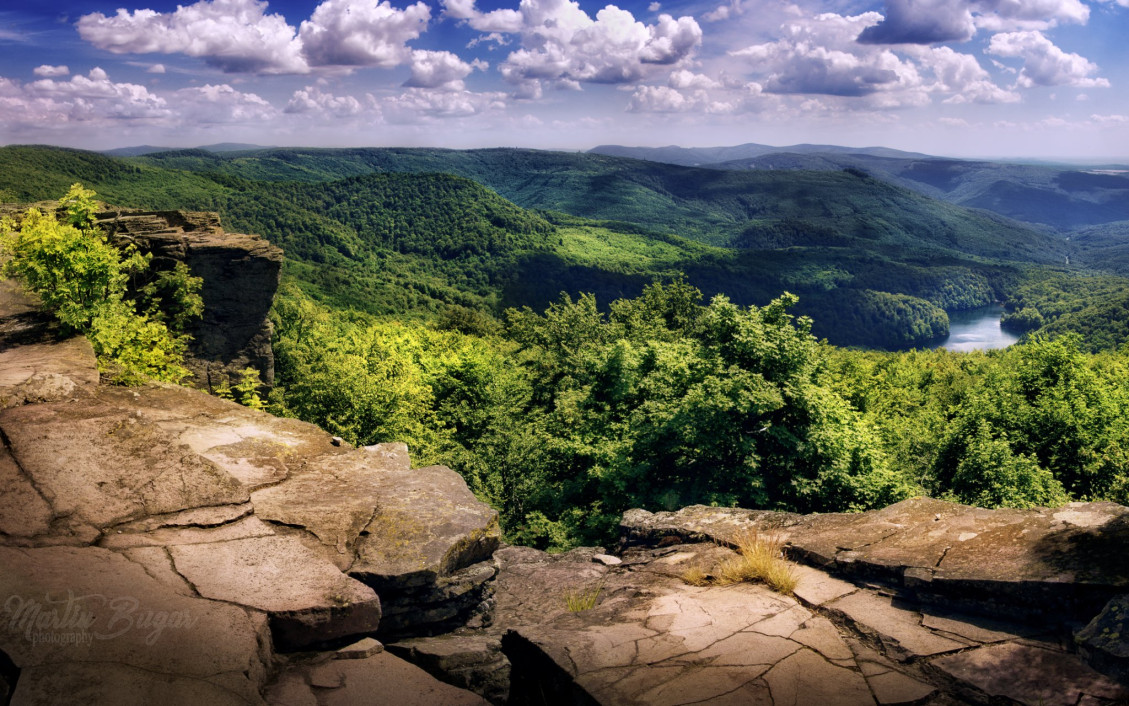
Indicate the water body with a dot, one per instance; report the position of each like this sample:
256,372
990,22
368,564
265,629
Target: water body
977,329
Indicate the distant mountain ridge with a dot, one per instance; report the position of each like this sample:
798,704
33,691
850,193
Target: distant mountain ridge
1057,196
707,156
142,150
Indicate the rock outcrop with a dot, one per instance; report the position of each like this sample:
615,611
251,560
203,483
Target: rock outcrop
240,273
149,555
161,545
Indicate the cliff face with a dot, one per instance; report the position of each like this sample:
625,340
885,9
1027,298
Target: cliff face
240,273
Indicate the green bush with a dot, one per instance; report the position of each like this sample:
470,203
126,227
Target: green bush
83,280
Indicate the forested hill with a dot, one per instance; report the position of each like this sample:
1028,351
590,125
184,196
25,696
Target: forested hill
1060,197
872,264
755,209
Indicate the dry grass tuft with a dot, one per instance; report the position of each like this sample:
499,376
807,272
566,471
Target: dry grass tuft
585,598
760,558
696,576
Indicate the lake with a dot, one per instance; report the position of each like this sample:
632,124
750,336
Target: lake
977,329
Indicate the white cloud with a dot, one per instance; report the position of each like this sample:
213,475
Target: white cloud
238,36
155,69
1044,64
1110,120
654,7
311,100
440,69
418,103
47,70
661,99
820,56
233,35
935,21
688,79
220,105
962,76
494,37
1002,15
921,22
80,105
562,46
361,33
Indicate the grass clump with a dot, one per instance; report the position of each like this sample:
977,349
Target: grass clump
760,558
585,598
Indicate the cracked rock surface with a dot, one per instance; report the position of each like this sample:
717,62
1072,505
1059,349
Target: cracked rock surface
139,567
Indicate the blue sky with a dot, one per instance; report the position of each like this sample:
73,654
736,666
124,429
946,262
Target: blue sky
998,78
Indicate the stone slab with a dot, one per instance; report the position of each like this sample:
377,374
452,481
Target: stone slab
380,680
1029,675
308,599
66,606
898,629
102,462
23,511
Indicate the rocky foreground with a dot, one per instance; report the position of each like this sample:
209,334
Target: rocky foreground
158,545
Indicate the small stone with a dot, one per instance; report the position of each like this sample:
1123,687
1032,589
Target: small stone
359,650
607,559
338,441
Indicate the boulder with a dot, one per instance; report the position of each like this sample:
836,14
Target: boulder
416,536
308,600
1104,642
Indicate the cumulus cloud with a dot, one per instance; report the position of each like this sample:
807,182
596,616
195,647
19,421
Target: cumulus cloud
934,21
921,22
361,33
1002,15
820,56
47,70
239,36
418,103
1044,64
92,98
665,99
962,76
688,79
440,69
155,69
311,100
232,35
220,105
562,46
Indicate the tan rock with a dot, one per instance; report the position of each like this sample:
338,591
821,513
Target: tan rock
67,607
899,629
309,600
1029,675
103,463
23,511
806,678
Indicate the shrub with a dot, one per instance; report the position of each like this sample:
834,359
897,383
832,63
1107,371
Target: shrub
83,280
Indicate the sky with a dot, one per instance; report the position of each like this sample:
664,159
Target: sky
971,78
